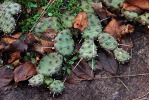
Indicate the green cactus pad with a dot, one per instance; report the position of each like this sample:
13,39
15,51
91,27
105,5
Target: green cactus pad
11,8
48,80
88,50
45,23
121,55
87,6
116,4
68,19
50,64
64,43
7,23
130,15
36,80
56,86
144,19
108,42
93,29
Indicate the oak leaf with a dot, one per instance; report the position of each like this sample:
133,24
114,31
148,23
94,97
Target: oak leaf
81,21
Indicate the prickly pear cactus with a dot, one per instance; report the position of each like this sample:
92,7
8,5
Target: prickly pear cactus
45,23
108,42
130,15
115,4
68,19
87,6
50,64
88,50
36,80
11,8
7,23
48,80
121,55
56,87
64,43
144,19
93,29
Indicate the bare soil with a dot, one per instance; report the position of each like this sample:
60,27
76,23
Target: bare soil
125,88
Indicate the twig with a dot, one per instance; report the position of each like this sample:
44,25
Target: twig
42,14
123,76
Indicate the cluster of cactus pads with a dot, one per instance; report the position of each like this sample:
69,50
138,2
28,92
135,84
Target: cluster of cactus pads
7,21
131,15
64,43
48,66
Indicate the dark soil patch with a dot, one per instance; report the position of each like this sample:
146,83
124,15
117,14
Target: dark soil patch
100,89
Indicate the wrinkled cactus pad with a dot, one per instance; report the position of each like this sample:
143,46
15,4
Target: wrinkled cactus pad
64,43
121,55
36,80
88,50
56,86
108,42
50,64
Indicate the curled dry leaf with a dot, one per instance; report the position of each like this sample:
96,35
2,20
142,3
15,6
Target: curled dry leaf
6,76
129,7
124,29
113,29
102,12
143,4
24,72
13,57
81,21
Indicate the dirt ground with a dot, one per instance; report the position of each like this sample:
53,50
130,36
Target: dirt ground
125,88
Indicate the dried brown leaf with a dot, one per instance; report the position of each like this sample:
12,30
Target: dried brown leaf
124,29
143,4
24,72
84,71
6,76
8,40
16,35
13,57
81,21
108,61
102,12
113,29
129,7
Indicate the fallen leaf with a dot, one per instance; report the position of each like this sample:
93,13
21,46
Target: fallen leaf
2,45
143,4
129,7
73,79
31,38
83,70
13,57
24,71
81,21
38,48
6,76
124,29
113,29
16,35
108,61
16,46
16,63
49,34
8,40
47,46
102,12
127,43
